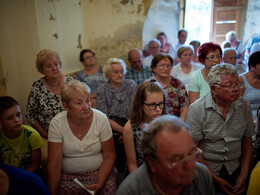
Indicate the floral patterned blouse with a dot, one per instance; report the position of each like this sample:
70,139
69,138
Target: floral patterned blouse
43,105
176,96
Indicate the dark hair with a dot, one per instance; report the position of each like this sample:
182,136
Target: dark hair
150,86
206,48
194,42
158,57
254,59
161,34
182,30
7,102
83,52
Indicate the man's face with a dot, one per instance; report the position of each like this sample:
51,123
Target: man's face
229,90
230,57
182,37
154,48
135,60
172,147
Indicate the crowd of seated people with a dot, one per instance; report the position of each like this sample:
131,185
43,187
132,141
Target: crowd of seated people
111,126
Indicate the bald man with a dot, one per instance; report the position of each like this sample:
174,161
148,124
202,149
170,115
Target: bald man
137,72
230,56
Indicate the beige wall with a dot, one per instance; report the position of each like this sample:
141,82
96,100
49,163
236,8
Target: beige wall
110,28
19,44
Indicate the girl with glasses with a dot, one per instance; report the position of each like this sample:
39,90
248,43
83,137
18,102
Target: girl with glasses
148,104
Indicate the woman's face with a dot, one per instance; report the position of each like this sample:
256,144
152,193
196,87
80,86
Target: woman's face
212,58
88,59
162,39
152,98
79,106
51,69
186,57
163,68
116,74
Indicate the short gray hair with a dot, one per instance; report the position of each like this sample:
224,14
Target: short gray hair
161,123
155,41
220,69
71,88
228,49
231,35
107,67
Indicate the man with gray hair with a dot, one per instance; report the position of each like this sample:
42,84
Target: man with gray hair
170,165
154,48
230,56
222,126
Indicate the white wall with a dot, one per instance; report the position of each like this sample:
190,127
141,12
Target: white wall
163,16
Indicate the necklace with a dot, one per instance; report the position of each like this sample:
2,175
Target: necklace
158,188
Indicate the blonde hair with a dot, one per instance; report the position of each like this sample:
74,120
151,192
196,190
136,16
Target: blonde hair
184,48
43,56
71,88
107,67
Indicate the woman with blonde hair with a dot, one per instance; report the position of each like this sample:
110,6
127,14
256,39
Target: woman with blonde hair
80,145
183,70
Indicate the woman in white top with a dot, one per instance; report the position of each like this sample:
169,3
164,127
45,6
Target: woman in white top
80,145
186,66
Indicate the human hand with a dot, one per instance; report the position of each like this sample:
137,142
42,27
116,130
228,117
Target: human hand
240,185
224,186
94,187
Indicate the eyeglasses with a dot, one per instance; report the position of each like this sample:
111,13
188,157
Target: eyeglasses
212,58
162,66
237,85
154,106
194,156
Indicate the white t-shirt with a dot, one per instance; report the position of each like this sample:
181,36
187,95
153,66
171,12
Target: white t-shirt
177,72
84,155
147,61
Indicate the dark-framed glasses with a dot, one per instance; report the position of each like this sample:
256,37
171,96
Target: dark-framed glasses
212,58
231,86
193,156
154,106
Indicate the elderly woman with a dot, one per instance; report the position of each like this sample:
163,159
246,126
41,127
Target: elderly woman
176,94
148,104
80,145
44,99
92,75
231,36
251,83
114,98
210,54
183,70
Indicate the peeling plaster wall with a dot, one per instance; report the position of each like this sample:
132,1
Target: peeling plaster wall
19,44
59,25
163,16
112,28
252,24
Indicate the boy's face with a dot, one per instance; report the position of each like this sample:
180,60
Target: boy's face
11,119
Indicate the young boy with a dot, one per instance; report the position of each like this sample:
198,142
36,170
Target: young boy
20,145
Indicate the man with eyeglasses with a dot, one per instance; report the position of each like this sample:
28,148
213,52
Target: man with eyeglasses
222,126
170,165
